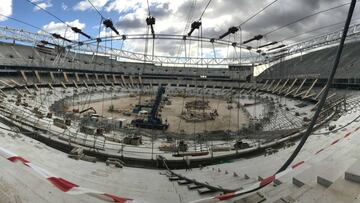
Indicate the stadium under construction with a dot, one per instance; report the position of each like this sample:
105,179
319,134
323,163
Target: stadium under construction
91,117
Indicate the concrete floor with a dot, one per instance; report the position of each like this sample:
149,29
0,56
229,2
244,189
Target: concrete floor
20,184
227,119
27,186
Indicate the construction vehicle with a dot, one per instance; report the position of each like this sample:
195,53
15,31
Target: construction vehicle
152,121
133,140
139,108
241,145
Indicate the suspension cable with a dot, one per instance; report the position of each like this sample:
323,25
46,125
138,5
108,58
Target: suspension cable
96,9
41,8
189,16
207,5
25,23
74,29
148,7
187,24
257,13
317,29
196,24
306,17
233,29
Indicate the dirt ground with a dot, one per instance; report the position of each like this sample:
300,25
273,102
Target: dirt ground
227,119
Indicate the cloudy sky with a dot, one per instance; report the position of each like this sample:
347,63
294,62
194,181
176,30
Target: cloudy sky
172,17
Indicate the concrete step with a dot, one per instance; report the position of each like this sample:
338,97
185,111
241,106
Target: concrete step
213,177
353,173
303,178
255,198
193,186
183,182
286,192
286,199
332,172
299,192
174,178
309,194
340,191
205,190
324,171
274,193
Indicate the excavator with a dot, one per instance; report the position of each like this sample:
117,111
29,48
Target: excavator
84,110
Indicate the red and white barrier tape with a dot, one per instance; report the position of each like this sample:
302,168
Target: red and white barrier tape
63,184
268,180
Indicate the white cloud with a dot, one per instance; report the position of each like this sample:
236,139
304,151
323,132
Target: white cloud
5,9
63,30
64,6
85,5
125,5
42,4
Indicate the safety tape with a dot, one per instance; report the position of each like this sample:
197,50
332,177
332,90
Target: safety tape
268,180
63,184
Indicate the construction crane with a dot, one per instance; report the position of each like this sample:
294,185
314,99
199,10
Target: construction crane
153,121
87,109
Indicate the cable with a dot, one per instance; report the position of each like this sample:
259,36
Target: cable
96,9
316,29
46,11
257,13
326,90
189,16
75,29
148,7
187,24
205,9
303,18
196,24
234,29
25,23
